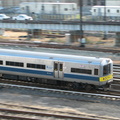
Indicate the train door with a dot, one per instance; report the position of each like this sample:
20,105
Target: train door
58,70
54,9
99,12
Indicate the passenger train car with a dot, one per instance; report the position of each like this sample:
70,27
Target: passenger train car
108,11
56,69
48,8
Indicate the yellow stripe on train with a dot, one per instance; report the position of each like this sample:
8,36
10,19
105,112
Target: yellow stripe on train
102,79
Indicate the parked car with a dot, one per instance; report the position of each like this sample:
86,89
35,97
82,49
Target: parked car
4,17
22,17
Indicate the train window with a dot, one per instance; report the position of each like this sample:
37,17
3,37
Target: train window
94,10
55,66
42,7
108,10
95,71
38,66
61,67
106,69
10,63
1,62
118,11
84,71
66,9
31,65
73,8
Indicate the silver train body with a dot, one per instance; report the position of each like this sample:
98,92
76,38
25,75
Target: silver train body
55,68
48,7
108,11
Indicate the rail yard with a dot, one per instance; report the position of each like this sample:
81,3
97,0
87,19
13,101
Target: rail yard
59,60
41,97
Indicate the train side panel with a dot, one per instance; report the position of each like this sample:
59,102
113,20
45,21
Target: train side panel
73,69
44,69
81,73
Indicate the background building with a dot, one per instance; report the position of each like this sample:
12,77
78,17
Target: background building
11,3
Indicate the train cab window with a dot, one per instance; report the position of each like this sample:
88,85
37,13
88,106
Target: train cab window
95,71
106,69
37,66
11,63
1,62
84,71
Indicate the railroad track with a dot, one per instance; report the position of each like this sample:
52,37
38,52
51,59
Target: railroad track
115,86
73,95
116,72
57,46
28,115
24,113
31,113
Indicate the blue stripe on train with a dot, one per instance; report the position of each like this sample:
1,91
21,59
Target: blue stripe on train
84,77
26,71
38,72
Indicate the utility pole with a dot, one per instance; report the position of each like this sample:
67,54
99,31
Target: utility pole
82,41
105,11
104,19
81,30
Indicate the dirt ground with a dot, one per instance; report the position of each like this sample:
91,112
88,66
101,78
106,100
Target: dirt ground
91,40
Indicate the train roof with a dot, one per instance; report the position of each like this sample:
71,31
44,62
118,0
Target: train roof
106,6
52,56
50,3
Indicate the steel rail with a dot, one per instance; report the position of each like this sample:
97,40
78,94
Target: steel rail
63,91
116,72
61,22
82,117
58,46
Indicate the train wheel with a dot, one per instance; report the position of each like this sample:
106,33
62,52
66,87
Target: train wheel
76,85
88,87
28,79
70,86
